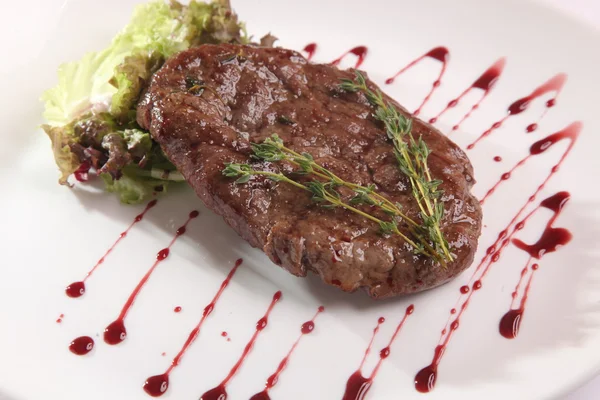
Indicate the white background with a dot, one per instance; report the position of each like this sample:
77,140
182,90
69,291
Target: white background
588,11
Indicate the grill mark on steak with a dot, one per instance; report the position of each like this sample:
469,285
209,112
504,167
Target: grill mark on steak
273,90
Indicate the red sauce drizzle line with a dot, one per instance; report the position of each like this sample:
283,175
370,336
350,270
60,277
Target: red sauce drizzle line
115,332
305,329
426,378
157,385
82,173
554,84
359,51
550,241
440,54
485,82
82,345
570,133
219,392
511,321
77,289
310,48
358,385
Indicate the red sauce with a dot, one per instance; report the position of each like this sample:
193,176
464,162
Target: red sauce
554,84
156,385
485,83
305,329
358,385
360,52
570,133
115,333
498,159
177,309
220,392
551,239
77,289
59,319
82,345
310,48
82,173
440,54
224,334
425,379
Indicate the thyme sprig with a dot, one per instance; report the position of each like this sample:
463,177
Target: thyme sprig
325,191
322,192
412,155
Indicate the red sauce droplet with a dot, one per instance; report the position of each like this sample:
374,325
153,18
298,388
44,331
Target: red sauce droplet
552,239
164,253
381,320
177,309
308,327
196,331
310,48
440,54
556,202
357,387
360,52
224,334
264,395
115,333
77,289
464,289
531,128
570,133
485,82
510,324
554,84
219,392
498,159
425,379
155,386
477,285
82,345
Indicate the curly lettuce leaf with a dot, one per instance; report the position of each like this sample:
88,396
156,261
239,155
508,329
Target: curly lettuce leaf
132,189
91,112
67,161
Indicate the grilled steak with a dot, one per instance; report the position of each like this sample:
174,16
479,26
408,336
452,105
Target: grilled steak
207,104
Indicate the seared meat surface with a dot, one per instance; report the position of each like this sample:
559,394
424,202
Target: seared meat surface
207,104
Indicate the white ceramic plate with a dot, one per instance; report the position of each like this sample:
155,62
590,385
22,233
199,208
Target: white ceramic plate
51,235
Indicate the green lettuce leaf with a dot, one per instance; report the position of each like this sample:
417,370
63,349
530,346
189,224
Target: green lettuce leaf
91,112
133,189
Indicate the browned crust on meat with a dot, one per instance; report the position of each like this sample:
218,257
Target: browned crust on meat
246,97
